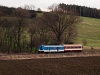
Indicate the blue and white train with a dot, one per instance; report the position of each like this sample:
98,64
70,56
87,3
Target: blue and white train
60,48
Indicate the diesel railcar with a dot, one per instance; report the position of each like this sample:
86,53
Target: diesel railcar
51,48
60,48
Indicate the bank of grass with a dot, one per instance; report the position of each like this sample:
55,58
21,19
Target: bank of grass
89,30
57,66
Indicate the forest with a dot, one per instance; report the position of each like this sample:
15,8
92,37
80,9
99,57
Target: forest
81,10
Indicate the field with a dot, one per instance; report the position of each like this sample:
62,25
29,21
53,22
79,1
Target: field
57,66
89,30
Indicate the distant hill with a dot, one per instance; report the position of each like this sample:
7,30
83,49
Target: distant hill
89,31
80,10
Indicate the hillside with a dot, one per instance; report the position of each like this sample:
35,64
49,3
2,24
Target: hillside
89,30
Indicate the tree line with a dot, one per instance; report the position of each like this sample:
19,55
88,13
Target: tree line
81,10
8,11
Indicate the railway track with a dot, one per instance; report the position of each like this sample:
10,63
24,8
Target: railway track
50,55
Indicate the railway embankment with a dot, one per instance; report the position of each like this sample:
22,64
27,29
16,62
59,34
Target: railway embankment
49,55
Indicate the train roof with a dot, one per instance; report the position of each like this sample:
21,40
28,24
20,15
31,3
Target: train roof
62,45
52,45
73,45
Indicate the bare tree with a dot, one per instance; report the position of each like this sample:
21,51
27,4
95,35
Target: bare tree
42,32
70,34
29,7
38,33
58,21
21,14
31,31
39,10
7,34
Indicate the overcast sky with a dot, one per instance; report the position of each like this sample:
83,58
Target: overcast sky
43,4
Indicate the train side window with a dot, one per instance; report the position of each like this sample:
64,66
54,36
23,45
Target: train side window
46,48
69,47
79,47
53,48
50,48
60,47
72,47
76,47
65,47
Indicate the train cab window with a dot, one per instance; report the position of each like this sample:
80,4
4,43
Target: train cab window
40,48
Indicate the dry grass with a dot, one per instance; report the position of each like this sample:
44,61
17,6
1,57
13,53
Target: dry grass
60,66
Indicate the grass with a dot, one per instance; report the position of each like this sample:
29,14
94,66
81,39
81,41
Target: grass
60,66
89,30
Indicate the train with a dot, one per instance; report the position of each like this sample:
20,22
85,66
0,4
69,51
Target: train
60,48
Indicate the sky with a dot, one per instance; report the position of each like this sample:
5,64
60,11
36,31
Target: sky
43,4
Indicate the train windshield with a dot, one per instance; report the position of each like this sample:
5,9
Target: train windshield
40,47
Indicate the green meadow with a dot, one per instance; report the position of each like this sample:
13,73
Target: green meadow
89,30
